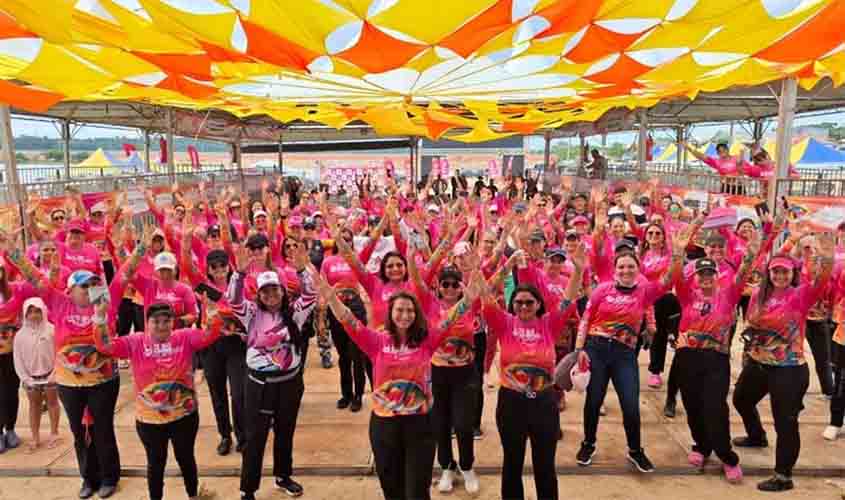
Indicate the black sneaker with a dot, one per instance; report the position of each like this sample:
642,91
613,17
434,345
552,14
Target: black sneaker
225,446
776,483
669,409
241,446
86,491
106,491
247,496
747,442
291,487
585,454
640,461
478,434
355,406
327,362
560,434
343,403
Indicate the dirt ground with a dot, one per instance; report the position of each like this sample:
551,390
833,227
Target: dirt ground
627,487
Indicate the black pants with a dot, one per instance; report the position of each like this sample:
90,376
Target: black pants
129,315
519,419
182,434
667,316
108,270
268,405
403,447
9,393
819,337
99,461
480,340
454,391
351,361
704,377
786,386
837,403
222,361
672,386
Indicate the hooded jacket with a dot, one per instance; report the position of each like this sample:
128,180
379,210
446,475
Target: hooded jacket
33,350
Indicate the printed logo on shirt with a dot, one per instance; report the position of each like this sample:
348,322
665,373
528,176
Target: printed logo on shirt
162,350
401,351
526,335
703,308
77,259
78,320
168,296
340,267
621,300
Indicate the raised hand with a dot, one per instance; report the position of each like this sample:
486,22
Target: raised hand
242,259
680,241
299,257
579,257
826,244
753,244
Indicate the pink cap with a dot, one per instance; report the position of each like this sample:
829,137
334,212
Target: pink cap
295,221
784,262
580,219
75,225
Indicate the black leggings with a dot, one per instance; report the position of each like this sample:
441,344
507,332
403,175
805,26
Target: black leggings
9,393
225,361
667,316
454,391
704,377
129,315
99,461
519,419
155,437
268,405
819,336
352,362
837,402
480,340
786,386
403,448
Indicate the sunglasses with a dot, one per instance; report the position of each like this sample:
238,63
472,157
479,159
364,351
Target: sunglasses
524,303
58,218
291,245
217,265
654,233
450,284
255,249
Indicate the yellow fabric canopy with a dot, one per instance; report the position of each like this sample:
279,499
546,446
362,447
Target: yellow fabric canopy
430,68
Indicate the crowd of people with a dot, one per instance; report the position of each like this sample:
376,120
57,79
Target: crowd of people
420,289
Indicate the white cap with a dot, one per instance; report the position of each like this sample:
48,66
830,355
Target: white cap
268,278
461,248
493,208
432,208
165,260
259,213
98,207
580,380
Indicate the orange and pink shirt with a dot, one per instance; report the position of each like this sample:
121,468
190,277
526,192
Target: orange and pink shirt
618,313
707,321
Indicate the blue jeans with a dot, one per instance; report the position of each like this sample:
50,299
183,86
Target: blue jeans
613,361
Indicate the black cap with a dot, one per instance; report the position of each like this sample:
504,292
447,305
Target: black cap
217,256
624,245
520,207
581,195
374,220
715,239
215,228
537,235
257,240
450,272
159,309
309,223
555,252
706,264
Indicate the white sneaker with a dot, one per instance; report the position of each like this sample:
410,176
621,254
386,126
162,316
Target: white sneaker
831,432
447,480
471,481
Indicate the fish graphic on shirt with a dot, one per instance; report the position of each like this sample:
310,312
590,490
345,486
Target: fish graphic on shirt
167,397
81,358
526,378
400,396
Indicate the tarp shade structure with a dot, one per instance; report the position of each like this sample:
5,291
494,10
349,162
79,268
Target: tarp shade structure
107,163
808,151
472,70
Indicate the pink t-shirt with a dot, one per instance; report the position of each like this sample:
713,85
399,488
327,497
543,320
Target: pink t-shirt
727,166
86,258
780,324
161,371
402,374
11,313
78,363
457,348
527,359
380,293
706,322
618,314
655,263
179,295
337,272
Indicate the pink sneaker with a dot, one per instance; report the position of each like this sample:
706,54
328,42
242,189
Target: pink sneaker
695,459
733,474
655,381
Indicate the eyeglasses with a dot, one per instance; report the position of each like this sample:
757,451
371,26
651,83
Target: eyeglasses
524,303
291,245
217,265
255,249
450,284
654,233
57,218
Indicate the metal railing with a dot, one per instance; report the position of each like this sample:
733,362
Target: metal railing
46,173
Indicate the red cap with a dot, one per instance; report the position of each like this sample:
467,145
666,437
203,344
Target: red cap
784,262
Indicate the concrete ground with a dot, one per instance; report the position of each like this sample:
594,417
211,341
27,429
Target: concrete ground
331,454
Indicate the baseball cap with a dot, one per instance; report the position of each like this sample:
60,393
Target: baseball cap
217,256
563,371
259,213
450,272
158,233
268,278
781,261
214,228
431,207
309,223
537,235
81,277
579,219
623,245
706,264
571,234
461,248
295,221
317,214
75,225
257,241
520,207
493,208
555,252
160,309
98,207
164,260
